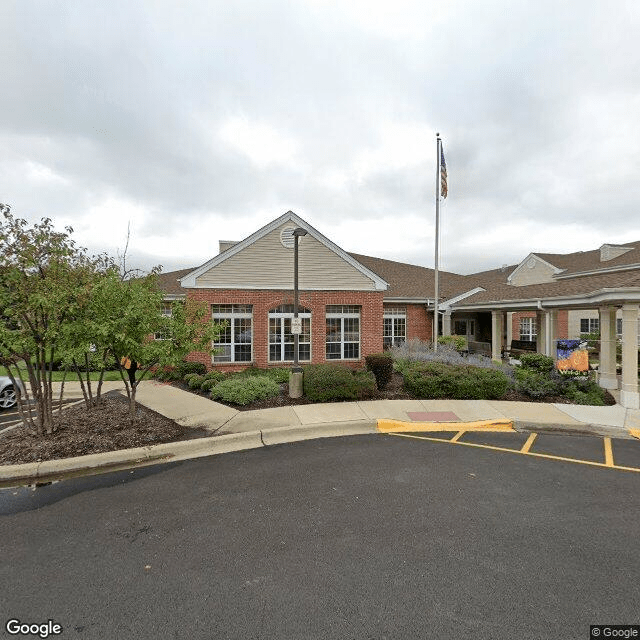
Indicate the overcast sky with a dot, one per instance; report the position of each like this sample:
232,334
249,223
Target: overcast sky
200,121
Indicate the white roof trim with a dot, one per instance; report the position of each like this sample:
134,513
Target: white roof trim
556,270
189,281
595,272
405,300
447,303
614,295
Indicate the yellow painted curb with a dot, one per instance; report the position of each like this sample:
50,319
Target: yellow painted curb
635,433
399,426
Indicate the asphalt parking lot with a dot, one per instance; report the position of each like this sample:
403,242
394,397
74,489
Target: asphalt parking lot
10,417
378,536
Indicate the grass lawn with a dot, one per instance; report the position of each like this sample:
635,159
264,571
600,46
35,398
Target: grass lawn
71,376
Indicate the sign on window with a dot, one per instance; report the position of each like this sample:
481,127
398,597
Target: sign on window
296,325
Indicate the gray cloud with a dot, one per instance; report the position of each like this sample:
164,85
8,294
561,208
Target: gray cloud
130,101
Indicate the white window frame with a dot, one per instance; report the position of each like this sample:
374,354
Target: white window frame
166,309
593,325
232,313
281,316
343,312
531,332
394,326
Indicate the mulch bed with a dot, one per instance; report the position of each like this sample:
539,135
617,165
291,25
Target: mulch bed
394,391
81,432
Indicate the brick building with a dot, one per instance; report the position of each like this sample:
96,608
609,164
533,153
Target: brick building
353,305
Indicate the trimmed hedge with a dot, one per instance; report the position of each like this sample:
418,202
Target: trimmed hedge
381,365
216,376
458,382
329,383
185,367
164,374
244,390
208,384
537,361
536,383
277,374
195,381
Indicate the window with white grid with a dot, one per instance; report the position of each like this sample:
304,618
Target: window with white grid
166,311
343,332
394,326
589,325
528,329
281,340
236,338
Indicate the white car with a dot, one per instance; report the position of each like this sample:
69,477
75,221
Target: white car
8,395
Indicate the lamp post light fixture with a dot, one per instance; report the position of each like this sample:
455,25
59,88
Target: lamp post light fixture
295,379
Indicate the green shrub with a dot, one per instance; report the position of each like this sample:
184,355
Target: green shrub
165,374
245,389
279,374
195,381
381,365
216,376
329,383
584,391
208,384
439,380
537,384
185,367
457,342
188,377
537,361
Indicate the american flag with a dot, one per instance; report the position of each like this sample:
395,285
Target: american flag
443,174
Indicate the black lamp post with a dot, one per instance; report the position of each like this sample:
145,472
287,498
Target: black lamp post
295,379
297,233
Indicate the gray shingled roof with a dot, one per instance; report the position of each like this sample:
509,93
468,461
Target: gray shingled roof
590,260
412,281
580,285
168,282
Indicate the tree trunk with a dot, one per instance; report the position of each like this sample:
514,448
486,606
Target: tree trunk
81,379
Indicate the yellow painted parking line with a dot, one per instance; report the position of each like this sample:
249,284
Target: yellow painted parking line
518,451
608,452
635,433
400,426
528,443
457,436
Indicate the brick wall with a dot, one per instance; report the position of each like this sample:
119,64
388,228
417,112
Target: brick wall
263,300
419,322
563,323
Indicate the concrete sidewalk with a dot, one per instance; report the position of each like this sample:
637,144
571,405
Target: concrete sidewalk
193,410
232,430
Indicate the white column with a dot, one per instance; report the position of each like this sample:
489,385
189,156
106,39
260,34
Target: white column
446,323
629,390
496,335
509,328
607,370
553,334
542,342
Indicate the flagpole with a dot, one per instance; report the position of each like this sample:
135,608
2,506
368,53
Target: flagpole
435,302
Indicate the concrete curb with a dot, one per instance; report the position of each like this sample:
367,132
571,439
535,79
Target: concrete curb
41,472
573,429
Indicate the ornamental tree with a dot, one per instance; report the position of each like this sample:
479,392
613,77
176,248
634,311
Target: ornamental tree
44,277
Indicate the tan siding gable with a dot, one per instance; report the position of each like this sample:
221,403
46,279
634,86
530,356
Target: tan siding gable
267,264
538,273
